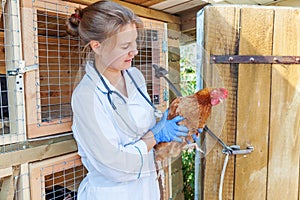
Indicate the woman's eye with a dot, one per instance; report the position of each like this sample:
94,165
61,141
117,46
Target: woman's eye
125,47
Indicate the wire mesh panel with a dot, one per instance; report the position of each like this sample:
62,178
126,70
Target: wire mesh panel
11,76
56,178
59,68
153,51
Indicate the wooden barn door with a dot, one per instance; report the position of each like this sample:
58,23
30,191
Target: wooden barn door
263,107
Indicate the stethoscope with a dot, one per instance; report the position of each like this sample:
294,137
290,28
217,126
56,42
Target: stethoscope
157,113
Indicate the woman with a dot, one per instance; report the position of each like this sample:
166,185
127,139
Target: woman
114,124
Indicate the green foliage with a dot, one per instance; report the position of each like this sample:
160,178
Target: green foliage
188,161
188,87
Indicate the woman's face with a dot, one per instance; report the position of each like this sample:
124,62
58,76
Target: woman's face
118,51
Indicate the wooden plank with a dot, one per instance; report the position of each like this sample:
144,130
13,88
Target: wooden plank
139,10
6,172
2,54
23,186
291,3
49,128
6,191
220,37
146,3
31,77
13,56
37,153
254,85
188,18
184,6
8,185
283,173
149,3
168,3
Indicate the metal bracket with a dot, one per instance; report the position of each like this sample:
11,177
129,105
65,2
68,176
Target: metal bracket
19,73
246,59
231,150
236,150
22,69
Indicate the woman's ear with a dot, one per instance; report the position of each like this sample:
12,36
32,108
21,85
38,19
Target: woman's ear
95,45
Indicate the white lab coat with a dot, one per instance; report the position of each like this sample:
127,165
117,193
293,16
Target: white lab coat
119,165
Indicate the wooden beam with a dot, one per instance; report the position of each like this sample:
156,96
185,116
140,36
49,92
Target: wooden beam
37,153
13,56
146,3
6,172
152,2
139,10
23,183
188,19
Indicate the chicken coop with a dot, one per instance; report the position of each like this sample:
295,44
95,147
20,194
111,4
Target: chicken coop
255,51
40,66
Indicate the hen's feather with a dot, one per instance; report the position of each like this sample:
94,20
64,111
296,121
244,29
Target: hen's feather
195,109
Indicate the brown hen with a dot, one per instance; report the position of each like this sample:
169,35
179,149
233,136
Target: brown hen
195,109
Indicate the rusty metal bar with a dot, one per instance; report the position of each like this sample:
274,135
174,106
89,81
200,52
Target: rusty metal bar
241,59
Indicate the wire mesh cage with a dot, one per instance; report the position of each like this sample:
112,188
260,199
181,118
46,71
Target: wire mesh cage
56,178
57,56
12,117
60,67
153,52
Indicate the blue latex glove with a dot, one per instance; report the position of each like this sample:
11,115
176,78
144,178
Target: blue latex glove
168,130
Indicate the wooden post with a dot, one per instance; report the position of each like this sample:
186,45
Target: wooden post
220,37
15,86
23,187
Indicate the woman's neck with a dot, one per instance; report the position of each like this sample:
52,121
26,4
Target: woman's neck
115,77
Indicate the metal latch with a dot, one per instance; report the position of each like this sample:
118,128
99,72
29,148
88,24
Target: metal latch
22,69
231,150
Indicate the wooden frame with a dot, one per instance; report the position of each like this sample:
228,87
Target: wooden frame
39,171
13,62
35,126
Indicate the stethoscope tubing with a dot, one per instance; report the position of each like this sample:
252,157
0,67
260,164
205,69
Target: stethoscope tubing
110,92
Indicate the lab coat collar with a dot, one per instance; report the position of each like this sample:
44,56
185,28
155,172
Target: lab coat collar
93,75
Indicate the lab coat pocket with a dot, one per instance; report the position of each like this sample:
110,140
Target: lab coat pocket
107,193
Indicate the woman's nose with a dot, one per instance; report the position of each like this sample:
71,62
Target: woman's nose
133,52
